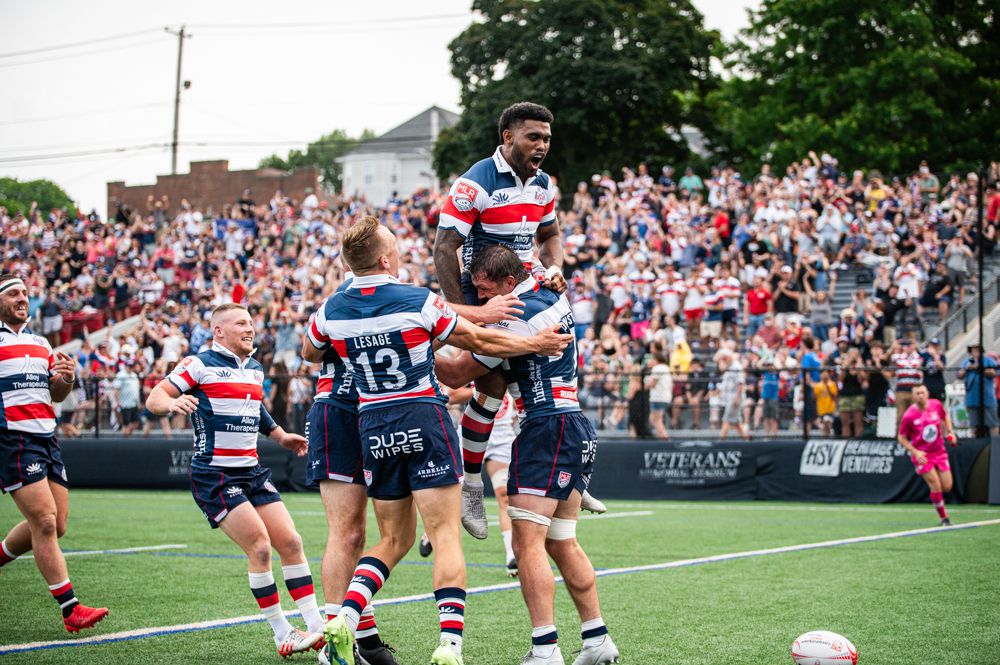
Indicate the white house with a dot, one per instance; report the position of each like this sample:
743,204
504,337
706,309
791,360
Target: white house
398,161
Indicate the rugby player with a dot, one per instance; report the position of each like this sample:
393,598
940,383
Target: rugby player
505,199
922,431
335,465
384,331
552,458
32,377
221,389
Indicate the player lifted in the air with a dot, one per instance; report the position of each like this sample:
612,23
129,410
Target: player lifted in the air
505,199
221,389
922,431
384,331
551,457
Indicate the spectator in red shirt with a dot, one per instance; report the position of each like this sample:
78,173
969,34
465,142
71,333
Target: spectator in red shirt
756,306
722,225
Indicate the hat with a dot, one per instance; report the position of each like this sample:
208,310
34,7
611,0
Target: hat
843,339
848,313
786,269
906,340
973,346
935,341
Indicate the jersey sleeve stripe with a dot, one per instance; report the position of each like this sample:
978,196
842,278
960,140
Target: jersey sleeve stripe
182,381
444,327
449,221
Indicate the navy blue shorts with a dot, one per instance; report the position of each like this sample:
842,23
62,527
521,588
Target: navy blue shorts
409,448
334,445
27,458
217,491
552,456
730,316
469,290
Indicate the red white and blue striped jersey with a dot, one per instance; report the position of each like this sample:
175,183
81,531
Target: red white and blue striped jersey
540,385
336,378
230,413
489,205
26,361
383,330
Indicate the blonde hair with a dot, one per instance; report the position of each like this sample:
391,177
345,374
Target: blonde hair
226,307
362,245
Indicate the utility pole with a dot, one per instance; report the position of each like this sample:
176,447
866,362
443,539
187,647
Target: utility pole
181,36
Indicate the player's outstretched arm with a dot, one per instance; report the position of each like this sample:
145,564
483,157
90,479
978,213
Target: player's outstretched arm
550,248
500,344
166,400
496,309
459,370
64,374
290,441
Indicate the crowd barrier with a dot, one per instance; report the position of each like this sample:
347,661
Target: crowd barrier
862,471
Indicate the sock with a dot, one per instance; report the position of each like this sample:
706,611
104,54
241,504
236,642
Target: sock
63,593
266,592
6,556
937,500
369,577
451,613
593,632
299,582
508,548
332,610
544,640
477,425
367,630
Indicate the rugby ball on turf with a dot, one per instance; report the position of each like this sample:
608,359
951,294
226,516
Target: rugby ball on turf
821,647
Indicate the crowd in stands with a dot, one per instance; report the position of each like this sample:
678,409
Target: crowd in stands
704,301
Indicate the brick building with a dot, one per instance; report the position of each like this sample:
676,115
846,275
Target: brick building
211,184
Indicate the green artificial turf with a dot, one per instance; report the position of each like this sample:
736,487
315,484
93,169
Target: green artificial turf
931,599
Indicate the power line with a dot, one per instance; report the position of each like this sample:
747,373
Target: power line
59,47
65,56
84,114
322,24
81,153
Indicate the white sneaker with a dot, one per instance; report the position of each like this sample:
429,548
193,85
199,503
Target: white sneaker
555,659
473,510
589,503
446,654
297,641
603,654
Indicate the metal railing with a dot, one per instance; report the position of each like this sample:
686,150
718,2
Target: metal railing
644,403
957,324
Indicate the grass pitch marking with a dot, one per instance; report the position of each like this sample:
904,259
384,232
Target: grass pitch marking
143,633
121,550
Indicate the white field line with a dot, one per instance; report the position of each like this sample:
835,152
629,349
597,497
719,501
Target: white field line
751,506
123,550
253,618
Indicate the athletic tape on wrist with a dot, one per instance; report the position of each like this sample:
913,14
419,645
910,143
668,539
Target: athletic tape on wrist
522,514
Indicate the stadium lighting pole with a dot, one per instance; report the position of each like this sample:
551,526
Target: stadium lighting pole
181,36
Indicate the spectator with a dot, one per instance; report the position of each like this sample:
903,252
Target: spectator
851,396
986,416
661,391
129,394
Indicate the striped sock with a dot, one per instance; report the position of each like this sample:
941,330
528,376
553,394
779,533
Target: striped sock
477,425
544,640
6,556
367,634
369,577
300,587
451,614
266,592
593,632
63,593
331,610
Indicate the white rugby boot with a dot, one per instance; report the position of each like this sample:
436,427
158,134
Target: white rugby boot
532,659
473,510
591,504
297,641
604,653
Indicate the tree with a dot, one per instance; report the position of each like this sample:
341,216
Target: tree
878,83
322,154
17,195
615,74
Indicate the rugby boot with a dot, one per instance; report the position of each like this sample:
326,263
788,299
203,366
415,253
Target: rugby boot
473,510
84,617
425,546
604,653
446,654
297,641
339,642
533,659
591,504
383,655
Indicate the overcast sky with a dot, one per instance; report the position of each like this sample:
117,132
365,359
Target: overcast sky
260,82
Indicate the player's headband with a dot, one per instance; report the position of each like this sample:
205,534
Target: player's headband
11,284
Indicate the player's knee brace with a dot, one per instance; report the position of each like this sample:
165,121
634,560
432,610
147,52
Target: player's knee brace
499,479
561,529
522,514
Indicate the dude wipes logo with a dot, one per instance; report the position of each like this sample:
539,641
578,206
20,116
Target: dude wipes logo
694,467
830,459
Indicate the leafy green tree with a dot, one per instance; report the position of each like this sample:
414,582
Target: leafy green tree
615,74
322,153
878,83
19,195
